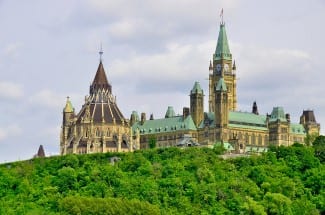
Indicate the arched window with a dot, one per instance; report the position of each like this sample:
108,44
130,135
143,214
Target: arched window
253,139
260,140
247,138
97,132
108,133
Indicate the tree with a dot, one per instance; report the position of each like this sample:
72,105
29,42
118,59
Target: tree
252,207
310,138
152,142
319,146
276,203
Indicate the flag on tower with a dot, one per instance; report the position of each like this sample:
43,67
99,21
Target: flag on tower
221,15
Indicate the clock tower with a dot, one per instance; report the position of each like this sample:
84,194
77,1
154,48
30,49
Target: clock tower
222,66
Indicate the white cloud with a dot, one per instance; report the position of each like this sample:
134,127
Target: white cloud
12,49
10,90
9,131
178,64
51,99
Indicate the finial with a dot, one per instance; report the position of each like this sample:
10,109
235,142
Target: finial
221,15
101,52
234,66
68,97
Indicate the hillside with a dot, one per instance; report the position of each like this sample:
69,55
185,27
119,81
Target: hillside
166,181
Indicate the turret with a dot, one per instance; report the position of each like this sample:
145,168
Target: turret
279,127
170,112
221,104
68,112
308,120
196,101
134,118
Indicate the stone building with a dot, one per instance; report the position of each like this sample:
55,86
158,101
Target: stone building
99,126
223,124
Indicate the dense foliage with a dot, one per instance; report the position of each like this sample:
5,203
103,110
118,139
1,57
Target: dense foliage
286,180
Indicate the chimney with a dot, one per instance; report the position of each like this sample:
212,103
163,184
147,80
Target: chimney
186,112
254,109
288,117
143,118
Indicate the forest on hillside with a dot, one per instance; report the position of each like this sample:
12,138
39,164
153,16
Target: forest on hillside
285,180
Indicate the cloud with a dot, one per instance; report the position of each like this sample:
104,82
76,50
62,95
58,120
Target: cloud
167,71
51,99
10,90
12,130
149,25
12,49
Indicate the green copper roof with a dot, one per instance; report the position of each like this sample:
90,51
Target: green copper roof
221,85
247,126
197,88
68,106
297,129
165,125
278,114
247,120
170,112
222,50
240,120
246,117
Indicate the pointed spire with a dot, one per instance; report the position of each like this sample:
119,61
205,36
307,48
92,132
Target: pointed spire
68,106
100,80
40,152
222,50
234,66
210,66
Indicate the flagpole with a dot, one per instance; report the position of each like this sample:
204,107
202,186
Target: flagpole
221,15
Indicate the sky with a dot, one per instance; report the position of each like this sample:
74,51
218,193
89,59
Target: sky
154,51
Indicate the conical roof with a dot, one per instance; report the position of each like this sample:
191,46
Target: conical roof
41,152
100,81
68,106
196,88
101,106
222,50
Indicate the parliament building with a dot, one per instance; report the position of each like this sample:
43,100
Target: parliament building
101,127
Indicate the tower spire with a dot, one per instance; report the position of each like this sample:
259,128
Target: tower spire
222,50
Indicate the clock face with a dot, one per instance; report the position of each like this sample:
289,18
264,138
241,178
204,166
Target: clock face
226,66
218,67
